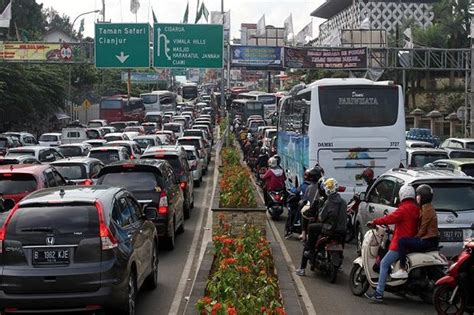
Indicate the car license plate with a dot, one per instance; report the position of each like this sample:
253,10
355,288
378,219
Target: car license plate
451,235
51,256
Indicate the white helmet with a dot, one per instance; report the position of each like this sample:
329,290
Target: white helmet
272,162
406,192
330,186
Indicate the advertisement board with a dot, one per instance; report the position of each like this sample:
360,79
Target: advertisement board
351,58
257,57
48,52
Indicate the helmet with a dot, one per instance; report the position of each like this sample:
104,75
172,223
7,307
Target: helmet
368,174
272,162
306,175
263,150
277,158
330,186
316,173
406,192
260,143
425,192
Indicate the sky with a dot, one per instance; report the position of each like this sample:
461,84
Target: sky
172,11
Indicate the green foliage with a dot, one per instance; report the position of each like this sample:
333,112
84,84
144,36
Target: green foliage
28,19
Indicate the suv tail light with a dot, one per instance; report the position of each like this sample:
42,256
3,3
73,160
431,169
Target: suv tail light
163,206
107,239
277,197
341,188
183,185
3,230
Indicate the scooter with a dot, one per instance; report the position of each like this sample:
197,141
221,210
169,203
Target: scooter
352,210
275,204
328,257
454,293
423,272
293,221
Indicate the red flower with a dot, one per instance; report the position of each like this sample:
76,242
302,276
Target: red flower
226,251
229,261
228,241
216,308
239,249
243,269
280,311
231,310
263,309
206,300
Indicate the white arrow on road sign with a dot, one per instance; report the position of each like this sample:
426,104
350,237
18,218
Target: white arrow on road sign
122,58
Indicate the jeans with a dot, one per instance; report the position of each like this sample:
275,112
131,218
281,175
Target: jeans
390,257
414,244
314,231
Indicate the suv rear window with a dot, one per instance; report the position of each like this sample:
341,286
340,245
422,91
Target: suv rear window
63,220
113,138
192,133
131,180
70,151
195,143
421,159
72,171
20,153
174,128
461,155
17,183
468,169
144,143
172,159
453,196
48,138
107,157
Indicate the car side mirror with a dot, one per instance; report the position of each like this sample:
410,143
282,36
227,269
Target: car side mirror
362,196
150,212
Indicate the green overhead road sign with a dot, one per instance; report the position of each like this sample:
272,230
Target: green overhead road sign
188,46
122,45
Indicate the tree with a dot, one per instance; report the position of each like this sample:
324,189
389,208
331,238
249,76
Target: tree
27,20
60,22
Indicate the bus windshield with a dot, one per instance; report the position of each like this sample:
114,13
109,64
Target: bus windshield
190,92
149,98
358,106
267,99
111,104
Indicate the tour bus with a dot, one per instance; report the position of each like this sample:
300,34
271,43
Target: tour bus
120,108
189,91
269,100
345,126
159,101
246,108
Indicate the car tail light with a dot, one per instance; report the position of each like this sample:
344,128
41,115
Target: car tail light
107,239
341,188
163,205
183,185
277,197
7,175
3,230
132,157
87,182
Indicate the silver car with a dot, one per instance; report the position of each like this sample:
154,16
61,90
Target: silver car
453,200
195,163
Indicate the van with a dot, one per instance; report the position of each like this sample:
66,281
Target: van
74,135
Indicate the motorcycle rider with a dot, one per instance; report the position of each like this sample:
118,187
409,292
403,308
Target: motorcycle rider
405,218
331,221
274,179
313,194
428,234
368,177
262,159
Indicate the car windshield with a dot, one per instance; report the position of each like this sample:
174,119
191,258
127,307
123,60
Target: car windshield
153,118
149,128
172,159
453,196
149,98
70,151
17,183
113,138
272,134
9,161
94,124
107,157
461,155
72,171
119,125
190,133
470,145
145,143
193,142
3,143
133,181
421,159
48,138
174,128
468,169
14,153
93,134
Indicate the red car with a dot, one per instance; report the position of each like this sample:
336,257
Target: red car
17,181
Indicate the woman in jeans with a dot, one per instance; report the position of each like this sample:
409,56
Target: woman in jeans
428,235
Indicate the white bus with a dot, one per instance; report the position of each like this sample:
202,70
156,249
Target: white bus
344,125
159,101
269,101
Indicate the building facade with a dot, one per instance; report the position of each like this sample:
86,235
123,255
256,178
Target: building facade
274,36
385,15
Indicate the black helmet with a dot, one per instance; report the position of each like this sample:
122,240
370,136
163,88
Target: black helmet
260,143
278,158
426,194
263,150
316,173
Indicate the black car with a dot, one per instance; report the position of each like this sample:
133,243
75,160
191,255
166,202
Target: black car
73,248
155,185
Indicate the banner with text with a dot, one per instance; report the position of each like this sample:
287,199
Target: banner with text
256,57
353,58
45,52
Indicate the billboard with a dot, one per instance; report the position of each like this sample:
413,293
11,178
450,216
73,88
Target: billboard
257,57
45,52
355,58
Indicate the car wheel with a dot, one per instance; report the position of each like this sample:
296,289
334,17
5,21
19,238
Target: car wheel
180,228
197,183
169,240
151,281
187,211
130,299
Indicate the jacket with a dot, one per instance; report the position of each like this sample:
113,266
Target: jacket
274,179
406,219
333,215
428,222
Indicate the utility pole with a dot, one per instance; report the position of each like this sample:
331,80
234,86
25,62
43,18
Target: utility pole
103,11
223,105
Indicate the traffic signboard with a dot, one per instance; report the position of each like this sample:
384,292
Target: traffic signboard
188,46
122,45
86,104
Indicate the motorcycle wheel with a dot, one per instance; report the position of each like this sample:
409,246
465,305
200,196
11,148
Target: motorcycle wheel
331,272
358,281
350,231
441,296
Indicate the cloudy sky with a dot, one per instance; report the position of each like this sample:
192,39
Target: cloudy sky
172,11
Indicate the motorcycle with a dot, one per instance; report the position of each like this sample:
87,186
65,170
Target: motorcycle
454,293
328,257
276,202
424,268
352,210
293,221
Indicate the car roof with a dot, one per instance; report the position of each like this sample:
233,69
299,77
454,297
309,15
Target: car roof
52,134
190,138
457,161
80,144
154,113
70,194
462,139
141,137
29,148
420,174
75,159
24,168
146,162
128,142
107,148
95,140
113,134
167,149
189,148
428,150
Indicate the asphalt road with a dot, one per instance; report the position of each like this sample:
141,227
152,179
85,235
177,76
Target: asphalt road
337,298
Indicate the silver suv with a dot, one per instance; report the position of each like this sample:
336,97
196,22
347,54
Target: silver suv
453,200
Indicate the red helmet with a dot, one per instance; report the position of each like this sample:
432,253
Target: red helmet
368,174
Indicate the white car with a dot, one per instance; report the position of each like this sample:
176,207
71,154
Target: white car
195,163
52,139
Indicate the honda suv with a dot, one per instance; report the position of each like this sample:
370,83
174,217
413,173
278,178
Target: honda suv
155,185
77,249
453,200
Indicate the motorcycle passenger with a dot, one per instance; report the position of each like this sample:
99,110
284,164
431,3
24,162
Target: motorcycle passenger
313,194
331,222
262,159
278,159
368,177
274,179
428,234
405,218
